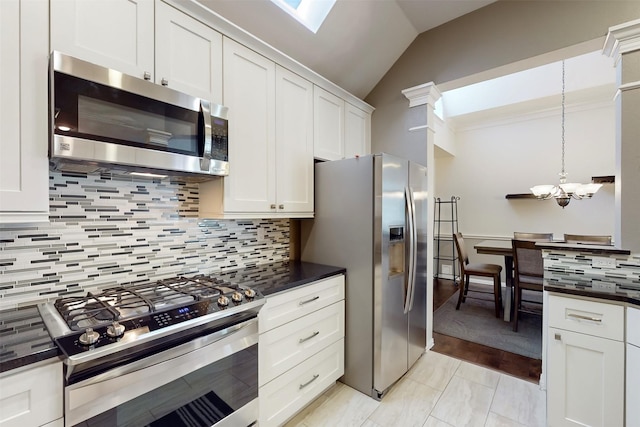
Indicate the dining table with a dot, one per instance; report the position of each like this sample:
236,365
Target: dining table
502,248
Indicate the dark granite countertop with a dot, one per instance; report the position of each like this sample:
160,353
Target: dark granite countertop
24,339
602,287
271,279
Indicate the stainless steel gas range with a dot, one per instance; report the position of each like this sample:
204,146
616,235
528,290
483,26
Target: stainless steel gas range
179,351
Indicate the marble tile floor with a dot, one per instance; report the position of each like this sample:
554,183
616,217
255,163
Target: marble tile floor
438,391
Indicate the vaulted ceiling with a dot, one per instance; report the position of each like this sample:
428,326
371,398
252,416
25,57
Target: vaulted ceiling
359,41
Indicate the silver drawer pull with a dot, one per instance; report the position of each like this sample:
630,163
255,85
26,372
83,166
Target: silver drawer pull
315,377
582,317
301,340
309,300
558,337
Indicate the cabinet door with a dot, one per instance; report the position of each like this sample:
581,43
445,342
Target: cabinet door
249,92
633,385
32,397
585,380
357,132
24,168
294,143
116,34
188,54
328,125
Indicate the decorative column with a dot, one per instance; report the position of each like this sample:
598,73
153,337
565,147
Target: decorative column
422,100
623,44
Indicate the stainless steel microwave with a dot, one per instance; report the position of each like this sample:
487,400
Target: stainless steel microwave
104,121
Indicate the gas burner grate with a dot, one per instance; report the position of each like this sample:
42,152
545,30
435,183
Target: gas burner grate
119,303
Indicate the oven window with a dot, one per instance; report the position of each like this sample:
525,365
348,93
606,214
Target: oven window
93,111
199,399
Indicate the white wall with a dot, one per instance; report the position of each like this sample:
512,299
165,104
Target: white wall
504,155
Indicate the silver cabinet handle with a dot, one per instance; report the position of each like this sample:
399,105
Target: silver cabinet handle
315,377
280,206
301,340
164,82
273,206
309,300
147,75
558,337
582,317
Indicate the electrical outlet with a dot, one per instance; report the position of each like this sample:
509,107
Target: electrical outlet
603,262
446,269
603,286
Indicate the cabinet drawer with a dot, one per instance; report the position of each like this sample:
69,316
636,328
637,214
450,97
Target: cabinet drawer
285,346
587,317
633,326
281,398
32,397
291,305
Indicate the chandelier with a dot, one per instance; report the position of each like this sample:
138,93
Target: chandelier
564,191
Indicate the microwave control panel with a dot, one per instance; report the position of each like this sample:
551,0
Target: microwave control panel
219,139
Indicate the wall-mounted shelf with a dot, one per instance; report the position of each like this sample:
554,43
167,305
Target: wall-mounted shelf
520,196
606,179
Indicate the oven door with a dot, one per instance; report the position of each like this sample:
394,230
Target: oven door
212,380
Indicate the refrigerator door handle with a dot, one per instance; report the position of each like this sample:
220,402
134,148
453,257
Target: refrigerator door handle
411,269
414,247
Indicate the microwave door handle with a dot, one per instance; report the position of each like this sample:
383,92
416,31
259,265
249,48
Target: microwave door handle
205,110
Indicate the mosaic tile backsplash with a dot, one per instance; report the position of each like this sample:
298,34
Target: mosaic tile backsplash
106,231
576,267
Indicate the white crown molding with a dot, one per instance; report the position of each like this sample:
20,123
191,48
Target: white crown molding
622,39
426,93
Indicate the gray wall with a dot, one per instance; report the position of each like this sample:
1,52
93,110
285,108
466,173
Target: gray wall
497,35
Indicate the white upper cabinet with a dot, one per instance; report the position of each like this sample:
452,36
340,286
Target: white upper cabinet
357,132
249,92
142,38
294,144
117,34
270,141
341,130
24,179
188,54
328,128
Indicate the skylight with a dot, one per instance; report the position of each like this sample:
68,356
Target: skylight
310,13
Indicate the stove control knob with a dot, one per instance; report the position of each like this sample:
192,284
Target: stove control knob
236,296
223,301
89,337
115,330
249,293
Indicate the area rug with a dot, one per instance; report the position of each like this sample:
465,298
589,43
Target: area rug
476,322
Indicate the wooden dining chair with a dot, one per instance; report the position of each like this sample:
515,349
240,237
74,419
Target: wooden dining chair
533,236
483,270
528,275
588,238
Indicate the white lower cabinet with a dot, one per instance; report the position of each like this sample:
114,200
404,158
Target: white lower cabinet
633,367
586,363
301,348
32,397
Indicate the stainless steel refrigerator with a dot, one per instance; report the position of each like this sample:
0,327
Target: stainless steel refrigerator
371,218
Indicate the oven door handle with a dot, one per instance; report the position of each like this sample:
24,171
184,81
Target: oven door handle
175,352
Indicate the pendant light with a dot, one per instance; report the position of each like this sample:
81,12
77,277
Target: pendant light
565,191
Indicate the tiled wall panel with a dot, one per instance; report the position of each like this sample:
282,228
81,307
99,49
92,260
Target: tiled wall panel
105,231
577,267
